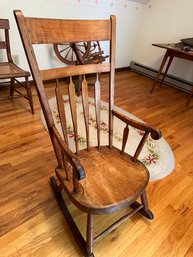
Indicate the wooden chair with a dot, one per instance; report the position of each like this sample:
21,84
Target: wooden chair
98,180
9,70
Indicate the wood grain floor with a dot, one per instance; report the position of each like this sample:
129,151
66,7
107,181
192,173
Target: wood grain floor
31,223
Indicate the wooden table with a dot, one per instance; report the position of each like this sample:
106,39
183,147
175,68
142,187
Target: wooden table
172,50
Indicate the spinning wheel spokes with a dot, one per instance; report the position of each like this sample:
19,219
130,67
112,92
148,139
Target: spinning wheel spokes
66,51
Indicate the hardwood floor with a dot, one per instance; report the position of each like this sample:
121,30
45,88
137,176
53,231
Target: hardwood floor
31,223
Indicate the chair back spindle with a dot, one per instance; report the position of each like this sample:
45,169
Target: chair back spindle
98,106
73,108
85,103
61,111
140,146
125,137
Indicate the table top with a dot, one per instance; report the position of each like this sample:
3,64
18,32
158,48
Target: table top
176,47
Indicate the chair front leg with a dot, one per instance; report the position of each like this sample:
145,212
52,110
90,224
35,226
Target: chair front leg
89,235
145,204
29,94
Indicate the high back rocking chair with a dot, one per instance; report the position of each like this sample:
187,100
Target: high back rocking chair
101,179
9,70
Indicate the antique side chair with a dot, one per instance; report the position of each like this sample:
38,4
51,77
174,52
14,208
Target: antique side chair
98,180
9,70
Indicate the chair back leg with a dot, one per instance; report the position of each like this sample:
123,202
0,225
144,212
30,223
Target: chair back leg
12,86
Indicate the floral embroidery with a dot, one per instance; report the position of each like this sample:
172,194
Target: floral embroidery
150,159
56,115
153,154
66,101
71,134
103,127
102,108
70,131
141,132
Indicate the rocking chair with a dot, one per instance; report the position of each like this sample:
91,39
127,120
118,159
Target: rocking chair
98,180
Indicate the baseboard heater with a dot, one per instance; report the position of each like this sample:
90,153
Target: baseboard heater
169,79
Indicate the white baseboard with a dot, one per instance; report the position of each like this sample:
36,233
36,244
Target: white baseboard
169,80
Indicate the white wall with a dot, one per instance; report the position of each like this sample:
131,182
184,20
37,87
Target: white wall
165,21
128,15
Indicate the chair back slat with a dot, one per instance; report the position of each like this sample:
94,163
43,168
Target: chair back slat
97,107
4,24
73,108
62,114
59,32
85,103
54,73
2,45
5,44
125,137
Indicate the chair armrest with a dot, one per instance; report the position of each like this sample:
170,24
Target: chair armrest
78,170
154,132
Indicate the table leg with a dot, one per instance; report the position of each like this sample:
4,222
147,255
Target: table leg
160,70
167,68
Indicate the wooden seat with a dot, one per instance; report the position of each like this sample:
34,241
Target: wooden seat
102,179
117,180
9,70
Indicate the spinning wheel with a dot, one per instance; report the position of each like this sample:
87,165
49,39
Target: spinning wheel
70,52
76,53
79,52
